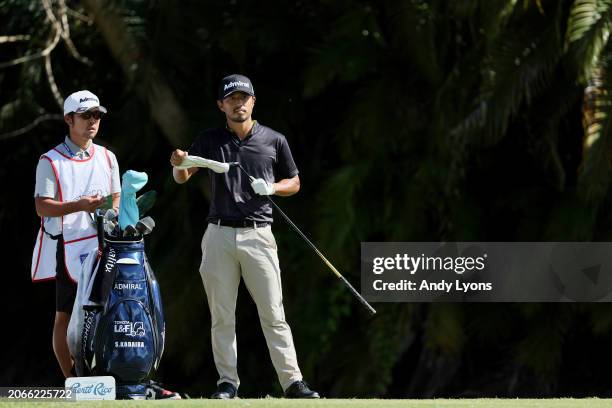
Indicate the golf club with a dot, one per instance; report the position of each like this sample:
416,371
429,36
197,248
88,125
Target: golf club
110,214
301,234
145,225
130,232
109,227
110,218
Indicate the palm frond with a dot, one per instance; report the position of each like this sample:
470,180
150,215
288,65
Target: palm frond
588,30
349,52
517,68
594,172
412,35
541,348
445,328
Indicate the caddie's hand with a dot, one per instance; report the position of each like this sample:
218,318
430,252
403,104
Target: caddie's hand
262,187
90,203
177,157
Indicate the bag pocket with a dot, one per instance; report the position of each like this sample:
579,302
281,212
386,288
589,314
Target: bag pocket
126,343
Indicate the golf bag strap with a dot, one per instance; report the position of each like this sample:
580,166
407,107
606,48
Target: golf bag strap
54,237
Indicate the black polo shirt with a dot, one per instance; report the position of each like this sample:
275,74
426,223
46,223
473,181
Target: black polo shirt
264,153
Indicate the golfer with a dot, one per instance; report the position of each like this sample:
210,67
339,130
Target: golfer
72,180
238,241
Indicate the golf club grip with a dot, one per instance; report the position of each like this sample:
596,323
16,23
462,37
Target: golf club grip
358,296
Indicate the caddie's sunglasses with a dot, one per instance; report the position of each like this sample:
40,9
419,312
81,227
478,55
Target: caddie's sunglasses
97,115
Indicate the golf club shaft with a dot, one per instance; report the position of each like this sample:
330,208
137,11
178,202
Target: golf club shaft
316,250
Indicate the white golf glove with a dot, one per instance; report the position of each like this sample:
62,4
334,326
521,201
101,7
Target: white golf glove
262,187
196,161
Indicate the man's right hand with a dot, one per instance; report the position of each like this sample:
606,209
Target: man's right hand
177,157
180,175
89,204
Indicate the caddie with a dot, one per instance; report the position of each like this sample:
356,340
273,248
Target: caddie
72,180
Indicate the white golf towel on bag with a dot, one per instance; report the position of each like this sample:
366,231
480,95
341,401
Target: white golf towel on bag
86,280
196,161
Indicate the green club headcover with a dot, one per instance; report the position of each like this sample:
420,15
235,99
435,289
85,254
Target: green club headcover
146,201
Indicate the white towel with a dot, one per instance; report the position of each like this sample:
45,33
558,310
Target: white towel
196,161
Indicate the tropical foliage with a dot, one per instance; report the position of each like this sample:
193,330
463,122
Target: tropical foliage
410,121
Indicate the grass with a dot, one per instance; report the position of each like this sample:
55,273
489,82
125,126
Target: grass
325,403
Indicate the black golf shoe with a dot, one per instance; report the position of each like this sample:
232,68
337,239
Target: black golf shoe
299,389
225,390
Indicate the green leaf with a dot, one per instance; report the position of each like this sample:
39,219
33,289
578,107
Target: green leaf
588,30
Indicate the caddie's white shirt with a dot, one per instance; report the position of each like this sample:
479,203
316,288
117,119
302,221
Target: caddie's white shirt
76,178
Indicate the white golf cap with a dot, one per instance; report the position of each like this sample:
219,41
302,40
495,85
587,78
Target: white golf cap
82,101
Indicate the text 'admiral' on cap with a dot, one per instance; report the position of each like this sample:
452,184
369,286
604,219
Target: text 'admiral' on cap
235,83
82,101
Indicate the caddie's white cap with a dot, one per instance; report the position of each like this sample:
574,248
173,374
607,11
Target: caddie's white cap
82,101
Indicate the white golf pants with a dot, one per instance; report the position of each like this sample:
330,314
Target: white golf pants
230,253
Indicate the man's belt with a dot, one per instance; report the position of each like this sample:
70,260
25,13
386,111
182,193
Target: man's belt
240,223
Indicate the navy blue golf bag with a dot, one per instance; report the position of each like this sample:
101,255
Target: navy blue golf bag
123,328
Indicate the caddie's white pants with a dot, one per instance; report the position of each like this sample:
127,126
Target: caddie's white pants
227,254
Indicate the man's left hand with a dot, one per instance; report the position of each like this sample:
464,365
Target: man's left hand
262,187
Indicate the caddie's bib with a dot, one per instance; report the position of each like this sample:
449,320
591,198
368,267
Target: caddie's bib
75,179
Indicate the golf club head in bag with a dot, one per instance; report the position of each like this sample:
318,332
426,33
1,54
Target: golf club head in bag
110,215
110,221
145,226
110,228
131,232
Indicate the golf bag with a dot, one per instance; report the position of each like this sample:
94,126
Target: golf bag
117,325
